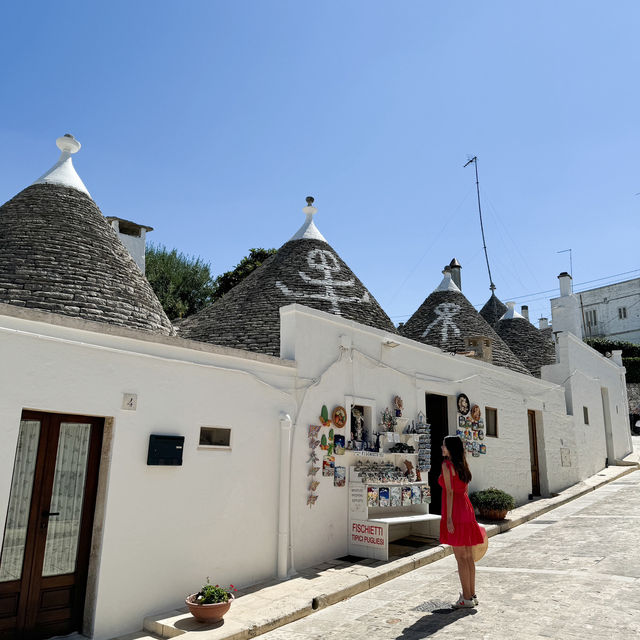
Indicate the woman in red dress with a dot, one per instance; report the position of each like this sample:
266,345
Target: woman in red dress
458,526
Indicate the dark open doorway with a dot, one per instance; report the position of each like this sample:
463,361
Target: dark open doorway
437,417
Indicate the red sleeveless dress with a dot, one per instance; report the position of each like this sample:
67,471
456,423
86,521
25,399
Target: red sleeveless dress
466,531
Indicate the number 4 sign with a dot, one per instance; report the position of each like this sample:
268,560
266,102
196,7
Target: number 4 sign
129,401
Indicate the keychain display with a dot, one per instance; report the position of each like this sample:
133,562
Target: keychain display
339,476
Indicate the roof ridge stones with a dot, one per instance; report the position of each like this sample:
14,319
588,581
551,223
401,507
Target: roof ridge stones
493,310
533,348
305,270
446,317
58,254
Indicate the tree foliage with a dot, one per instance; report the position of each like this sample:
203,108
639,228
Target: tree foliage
225,282
183,283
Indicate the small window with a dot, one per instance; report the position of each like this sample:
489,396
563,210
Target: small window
491,417
215,437
622,313
585,413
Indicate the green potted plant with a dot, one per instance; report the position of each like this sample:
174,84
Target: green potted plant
211,602
492,503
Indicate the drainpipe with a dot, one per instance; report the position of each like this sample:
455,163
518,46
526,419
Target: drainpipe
285,489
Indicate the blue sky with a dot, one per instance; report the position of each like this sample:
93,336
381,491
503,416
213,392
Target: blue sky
211,122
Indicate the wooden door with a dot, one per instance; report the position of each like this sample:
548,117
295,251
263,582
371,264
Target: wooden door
438,418
47,539
533,452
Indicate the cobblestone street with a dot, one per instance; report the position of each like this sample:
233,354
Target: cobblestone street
572,573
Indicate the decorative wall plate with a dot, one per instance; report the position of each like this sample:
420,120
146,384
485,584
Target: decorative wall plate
463,404
339,417
476,413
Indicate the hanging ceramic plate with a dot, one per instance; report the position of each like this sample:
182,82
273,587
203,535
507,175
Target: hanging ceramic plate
339,417
463,404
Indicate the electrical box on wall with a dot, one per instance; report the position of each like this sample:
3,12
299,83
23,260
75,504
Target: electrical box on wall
165,450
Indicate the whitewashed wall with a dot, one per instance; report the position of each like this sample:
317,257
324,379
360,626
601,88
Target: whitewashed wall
217,515
368,370
584,373
166,528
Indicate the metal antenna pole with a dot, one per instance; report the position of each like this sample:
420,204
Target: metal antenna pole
570,263
484,244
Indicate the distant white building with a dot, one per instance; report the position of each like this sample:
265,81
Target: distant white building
612,311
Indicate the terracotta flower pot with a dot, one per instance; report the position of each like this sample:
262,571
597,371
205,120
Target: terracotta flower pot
493,514
208,612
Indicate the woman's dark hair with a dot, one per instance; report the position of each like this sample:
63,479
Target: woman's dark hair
458,458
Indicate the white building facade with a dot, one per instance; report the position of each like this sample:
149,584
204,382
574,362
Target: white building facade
612,311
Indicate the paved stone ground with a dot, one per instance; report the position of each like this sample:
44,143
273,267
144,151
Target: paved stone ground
572,573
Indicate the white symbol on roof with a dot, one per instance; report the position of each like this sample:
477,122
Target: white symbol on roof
445,312
327,263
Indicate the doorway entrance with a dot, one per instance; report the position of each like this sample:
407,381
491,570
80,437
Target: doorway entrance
47,539
533,453
437,417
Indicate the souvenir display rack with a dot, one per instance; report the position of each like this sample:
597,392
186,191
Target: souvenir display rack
387,502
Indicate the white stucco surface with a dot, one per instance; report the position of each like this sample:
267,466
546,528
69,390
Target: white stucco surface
219,514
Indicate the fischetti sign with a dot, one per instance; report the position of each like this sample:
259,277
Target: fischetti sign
374,536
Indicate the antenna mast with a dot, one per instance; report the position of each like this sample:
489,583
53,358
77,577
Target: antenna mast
484,243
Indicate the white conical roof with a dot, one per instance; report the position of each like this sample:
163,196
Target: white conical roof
308,231
63,173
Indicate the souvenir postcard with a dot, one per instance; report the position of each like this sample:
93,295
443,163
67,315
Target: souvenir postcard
339,476
372,496
483,448
395,496
406,496
338,445
328,465
416,494
383,493
426,494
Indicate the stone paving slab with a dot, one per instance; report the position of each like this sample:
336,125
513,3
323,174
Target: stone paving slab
272,604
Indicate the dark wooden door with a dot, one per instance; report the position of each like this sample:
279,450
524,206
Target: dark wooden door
437,417
533,452
47,539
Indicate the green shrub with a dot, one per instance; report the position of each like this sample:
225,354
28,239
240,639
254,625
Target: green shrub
632,366
212,594
629,349
492,498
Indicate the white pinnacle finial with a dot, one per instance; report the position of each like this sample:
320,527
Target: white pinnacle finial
68,143
309,231
447,283
511,313
62,173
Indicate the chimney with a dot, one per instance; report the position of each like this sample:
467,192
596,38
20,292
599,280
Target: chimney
455,267
525,311
133,236
565,284
565,310
616,356
479,348
544,323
